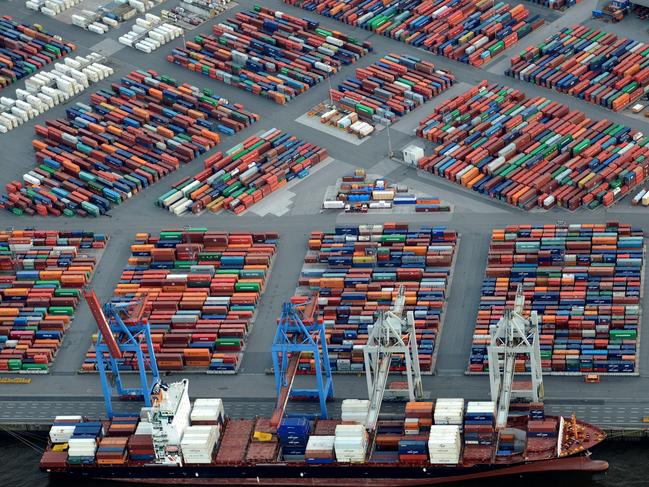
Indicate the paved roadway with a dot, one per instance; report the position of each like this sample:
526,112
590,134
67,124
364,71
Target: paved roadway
294,213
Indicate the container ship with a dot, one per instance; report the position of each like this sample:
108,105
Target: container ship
448,440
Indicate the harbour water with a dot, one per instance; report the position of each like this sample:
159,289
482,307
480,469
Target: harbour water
629,467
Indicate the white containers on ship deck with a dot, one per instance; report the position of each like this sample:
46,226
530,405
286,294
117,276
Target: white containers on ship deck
82,447
355,410
207,412
198,443
444,444
61,434
449,411
350,443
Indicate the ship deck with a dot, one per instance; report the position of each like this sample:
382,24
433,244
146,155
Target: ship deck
614,402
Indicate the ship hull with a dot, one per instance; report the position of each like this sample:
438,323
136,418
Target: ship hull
329,475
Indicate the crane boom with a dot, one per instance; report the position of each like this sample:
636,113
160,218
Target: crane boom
102,323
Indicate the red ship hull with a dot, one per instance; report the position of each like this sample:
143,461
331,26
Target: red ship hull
410,476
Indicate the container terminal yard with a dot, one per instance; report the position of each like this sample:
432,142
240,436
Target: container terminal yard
617,402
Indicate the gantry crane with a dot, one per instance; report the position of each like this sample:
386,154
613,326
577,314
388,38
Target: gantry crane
386,338
513,336
123,330
299,331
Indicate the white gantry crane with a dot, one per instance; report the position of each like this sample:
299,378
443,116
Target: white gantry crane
386,337
513,336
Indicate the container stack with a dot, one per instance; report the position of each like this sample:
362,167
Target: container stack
63,428
198,443
112,451
25,50
81,451
203,288
542,429
360,190
412,451
537,411
590,64
293,436
350,443
140,447
532,152
320,449
506,443
444,444
152,123
269,53
150,33
235,441
207,412
82,446
584,281
390,88
51,8
43,273
355,410
479,423
123,425
468,31
449,411
419,417
242,176
356,269
46,89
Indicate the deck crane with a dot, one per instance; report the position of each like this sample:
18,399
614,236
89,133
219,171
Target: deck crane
514,335
385,339
123,330
299,331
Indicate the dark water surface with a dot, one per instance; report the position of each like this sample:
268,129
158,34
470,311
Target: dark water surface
629,467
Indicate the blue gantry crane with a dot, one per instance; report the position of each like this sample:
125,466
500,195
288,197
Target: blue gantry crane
123,331
299,332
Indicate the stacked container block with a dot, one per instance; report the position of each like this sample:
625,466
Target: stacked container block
589,64
357,271
127,139
585,283
42,274
245,174
466,30
24,50
532,152
391,87
203,288
269,53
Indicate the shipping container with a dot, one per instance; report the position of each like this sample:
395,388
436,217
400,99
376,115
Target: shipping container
269,53
589,64
585,283
357,271
203,288
238,178
24,49
43,275
532,152
125,140
465,30
390,88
